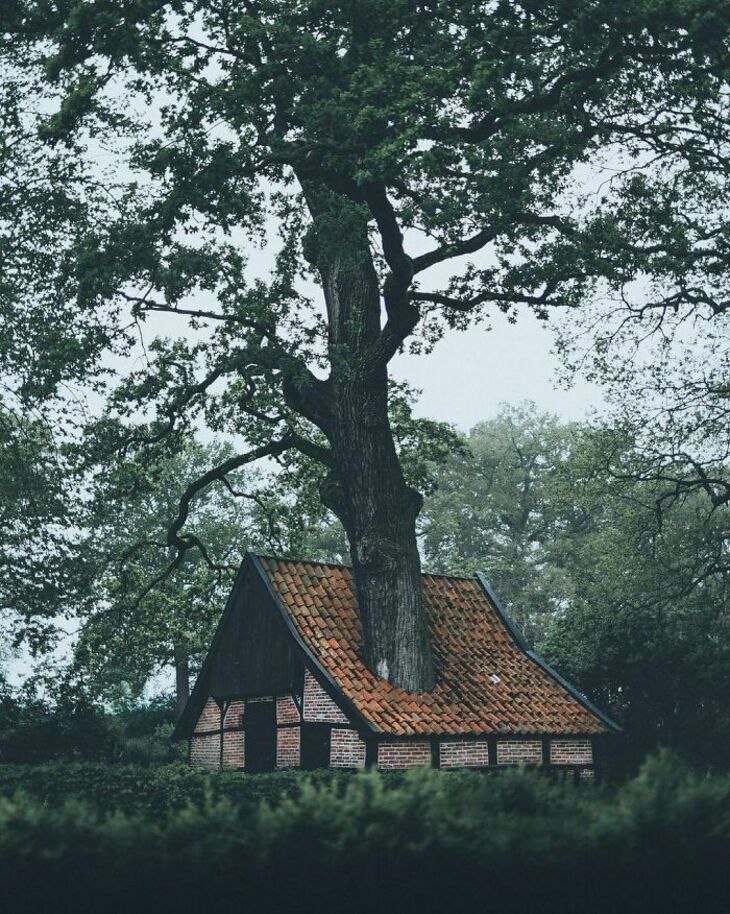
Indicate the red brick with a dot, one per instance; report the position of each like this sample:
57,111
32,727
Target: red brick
519,752
347,750
287,747
287,711
571,752
210,717
464,754
403,754
234,743
205,751
318,706
234,714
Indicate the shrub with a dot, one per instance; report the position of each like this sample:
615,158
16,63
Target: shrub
34,731
426,841
154,791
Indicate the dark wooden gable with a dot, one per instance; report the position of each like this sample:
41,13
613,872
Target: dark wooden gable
256,654
253,651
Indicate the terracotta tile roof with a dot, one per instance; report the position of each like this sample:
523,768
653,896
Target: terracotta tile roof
471,643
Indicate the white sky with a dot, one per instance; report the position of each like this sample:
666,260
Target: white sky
470,373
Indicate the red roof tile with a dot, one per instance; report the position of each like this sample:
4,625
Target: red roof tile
470,643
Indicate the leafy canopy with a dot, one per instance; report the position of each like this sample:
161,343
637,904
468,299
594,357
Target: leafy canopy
190,158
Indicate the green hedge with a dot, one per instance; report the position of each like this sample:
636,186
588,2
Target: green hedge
155,790
426,842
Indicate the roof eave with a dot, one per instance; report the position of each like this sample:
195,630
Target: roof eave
519,639
185,727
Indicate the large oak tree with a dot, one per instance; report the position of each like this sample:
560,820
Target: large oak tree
150,144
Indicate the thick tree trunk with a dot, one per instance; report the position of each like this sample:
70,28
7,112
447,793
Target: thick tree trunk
378,510
365,487
182,682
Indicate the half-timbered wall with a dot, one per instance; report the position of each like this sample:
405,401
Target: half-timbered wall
219,740
205,743
288,732
319,707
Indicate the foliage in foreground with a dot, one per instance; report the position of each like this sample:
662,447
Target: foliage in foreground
153,791
433,840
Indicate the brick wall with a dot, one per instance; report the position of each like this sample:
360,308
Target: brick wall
210,717
464,754
347,750
287,747
287,711
571,752
519,752
234,714
403,755
234,744
205,751
318,706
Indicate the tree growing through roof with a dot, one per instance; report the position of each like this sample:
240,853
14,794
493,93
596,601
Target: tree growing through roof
384,142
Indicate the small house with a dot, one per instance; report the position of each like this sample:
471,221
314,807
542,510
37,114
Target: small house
284,686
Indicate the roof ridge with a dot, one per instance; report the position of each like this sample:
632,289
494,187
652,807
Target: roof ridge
425,574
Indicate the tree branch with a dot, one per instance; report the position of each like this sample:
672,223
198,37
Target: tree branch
454,249
493,121
272,449
468,304
401,265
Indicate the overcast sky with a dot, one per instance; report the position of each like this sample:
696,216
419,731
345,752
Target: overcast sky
470,373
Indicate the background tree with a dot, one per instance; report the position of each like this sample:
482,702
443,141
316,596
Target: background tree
140,620
388,140
40,572
632,604
666,377
645,631
505,507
